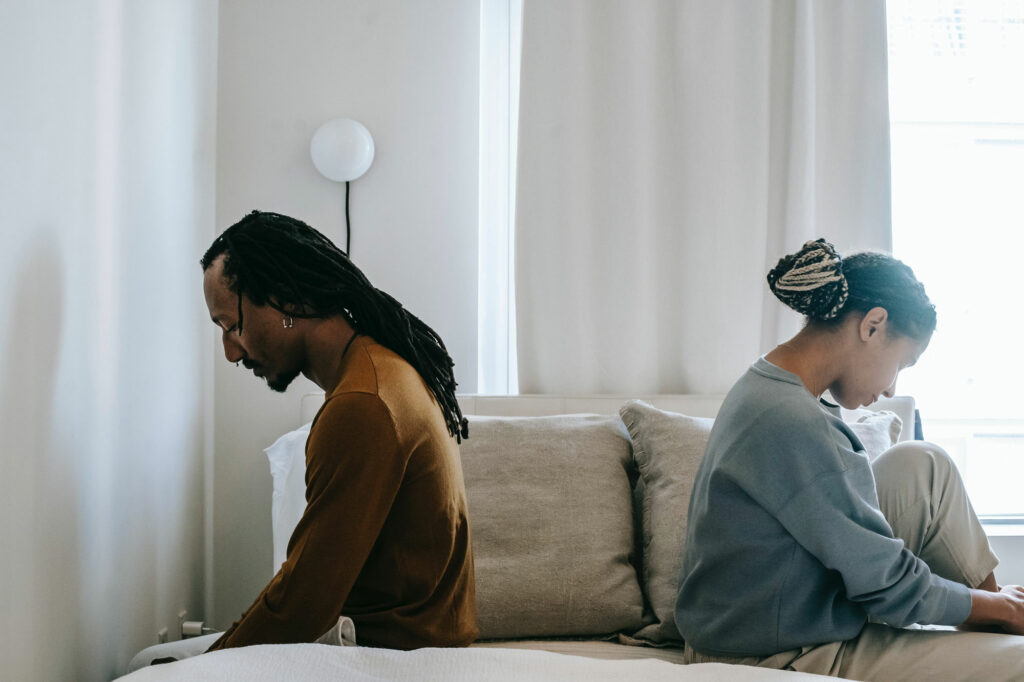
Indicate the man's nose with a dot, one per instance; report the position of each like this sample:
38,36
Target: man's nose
233,351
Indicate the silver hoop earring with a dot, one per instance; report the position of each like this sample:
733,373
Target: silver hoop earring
288,322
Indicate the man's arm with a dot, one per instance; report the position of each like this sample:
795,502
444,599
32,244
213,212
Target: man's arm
354,471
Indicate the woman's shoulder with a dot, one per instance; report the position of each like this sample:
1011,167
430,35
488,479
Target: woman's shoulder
765,415
769,393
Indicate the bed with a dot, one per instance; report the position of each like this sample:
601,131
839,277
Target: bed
587,639
316,662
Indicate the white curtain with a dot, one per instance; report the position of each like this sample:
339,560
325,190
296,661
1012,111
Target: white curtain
107,179
669,153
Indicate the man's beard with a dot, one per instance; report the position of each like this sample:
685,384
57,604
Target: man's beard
277,383
281,382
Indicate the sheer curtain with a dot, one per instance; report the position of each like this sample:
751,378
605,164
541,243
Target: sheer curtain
107,180
669,153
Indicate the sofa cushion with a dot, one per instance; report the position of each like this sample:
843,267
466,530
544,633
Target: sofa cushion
668,449
551,516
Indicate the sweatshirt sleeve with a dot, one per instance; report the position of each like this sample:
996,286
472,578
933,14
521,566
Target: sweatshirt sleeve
833,521
354,469
793,464
825,498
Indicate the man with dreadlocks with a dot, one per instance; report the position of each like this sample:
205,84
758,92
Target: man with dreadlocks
384,539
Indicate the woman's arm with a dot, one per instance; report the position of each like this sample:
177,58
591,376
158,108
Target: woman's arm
1004,608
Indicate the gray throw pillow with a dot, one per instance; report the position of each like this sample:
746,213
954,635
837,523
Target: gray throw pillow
551,516
668,449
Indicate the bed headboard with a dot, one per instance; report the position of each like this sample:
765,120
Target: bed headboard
695,405
541,405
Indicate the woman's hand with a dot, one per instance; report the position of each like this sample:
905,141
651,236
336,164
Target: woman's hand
1004,608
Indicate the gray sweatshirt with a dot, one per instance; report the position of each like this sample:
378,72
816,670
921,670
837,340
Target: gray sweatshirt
785,543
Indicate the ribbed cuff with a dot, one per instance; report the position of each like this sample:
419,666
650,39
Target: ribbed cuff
958,605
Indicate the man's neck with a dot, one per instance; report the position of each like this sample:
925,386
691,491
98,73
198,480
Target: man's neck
326,346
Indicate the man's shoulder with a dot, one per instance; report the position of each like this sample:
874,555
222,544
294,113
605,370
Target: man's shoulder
352,418
376,371
372,366
355,406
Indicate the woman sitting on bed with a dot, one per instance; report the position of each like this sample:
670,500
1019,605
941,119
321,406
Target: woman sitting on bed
795,541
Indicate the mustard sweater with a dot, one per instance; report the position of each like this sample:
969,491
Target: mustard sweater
385,537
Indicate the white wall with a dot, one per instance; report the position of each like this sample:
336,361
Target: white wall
106,187
1008,544
408,70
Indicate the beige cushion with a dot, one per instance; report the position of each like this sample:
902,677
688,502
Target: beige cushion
551,516
668,449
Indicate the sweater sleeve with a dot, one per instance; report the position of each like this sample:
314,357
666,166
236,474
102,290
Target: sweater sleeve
825,498
834,522
354,469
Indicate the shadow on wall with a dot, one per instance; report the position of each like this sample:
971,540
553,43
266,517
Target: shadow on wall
38,469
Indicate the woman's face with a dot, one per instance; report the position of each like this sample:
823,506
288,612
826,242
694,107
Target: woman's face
879,358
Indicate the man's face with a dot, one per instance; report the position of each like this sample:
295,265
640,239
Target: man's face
265,346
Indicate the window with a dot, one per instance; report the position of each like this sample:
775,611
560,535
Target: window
956,79
500,38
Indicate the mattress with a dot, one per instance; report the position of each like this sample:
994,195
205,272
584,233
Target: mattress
316,662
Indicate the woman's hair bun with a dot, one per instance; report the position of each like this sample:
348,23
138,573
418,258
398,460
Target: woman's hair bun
811,281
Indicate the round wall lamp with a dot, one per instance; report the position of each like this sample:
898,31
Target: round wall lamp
342,150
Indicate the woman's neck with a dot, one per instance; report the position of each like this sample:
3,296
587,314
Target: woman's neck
811,355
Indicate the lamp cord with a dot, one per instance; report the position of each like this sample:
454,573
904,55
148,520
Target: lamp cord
348,224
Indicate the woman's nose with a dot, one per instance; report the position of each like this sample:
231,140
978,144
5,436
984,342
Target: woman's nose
891,391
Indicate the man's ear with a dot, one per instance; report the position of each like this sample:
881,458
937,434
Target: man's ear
288,308
872,325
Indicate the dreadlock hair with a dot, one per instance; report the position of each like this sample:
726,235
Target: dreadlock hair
282,262
818,283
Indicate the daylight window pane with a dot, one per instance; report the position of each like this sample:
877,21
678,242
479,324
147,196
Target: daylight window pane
956,96
957,109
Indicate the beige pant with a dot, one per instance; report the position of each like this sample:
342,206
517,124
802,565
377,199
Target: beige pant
923,498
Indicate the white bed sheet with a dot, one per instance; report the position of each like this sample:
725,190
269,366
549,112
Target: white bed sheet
315,662
591,648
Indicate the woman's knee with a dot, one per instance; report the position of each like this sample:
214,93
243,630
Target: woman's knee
914,458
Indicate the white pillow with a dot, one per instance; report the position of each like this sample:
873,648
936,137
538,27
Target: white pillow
903,405
288,468
877,430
